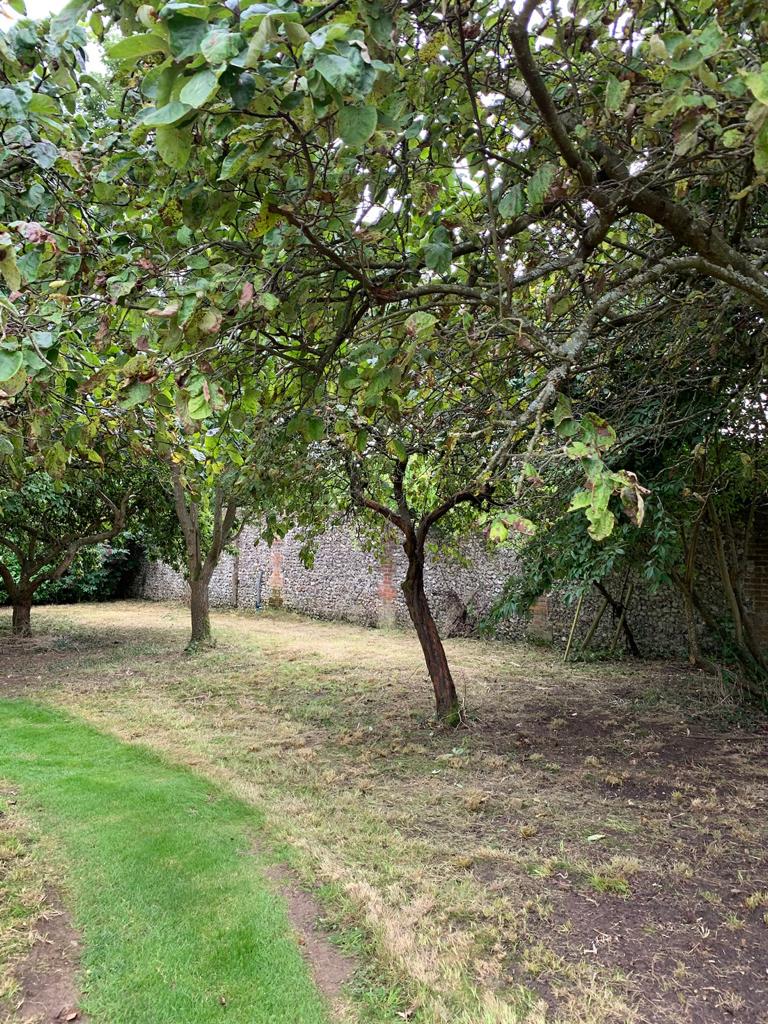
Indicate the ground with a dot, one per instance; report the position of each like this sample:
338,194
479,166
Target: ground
589,848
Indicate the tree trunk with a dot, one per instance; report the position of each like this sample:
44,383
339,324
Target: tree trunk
695,657
446,699
20,624
201,620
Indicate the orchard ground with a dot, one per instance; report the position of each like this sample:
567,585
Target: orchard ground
589,848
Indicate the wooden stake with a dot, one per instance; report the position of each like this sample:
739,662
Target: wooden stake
573,627
595,623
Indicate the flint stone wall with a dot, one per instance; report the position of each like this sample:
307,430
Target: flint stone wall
346,581
351,583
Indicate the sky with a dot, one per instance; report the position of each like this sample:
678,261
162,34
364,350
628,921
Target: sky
39,9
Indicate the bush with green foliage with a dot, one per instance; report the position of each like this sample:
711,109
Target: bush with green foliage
101,573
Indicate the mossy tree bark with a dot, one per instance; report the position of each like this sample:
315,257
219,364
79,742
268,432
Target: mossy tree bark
201,564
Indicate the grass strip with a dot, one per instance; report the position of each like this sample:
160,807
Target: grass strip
179,925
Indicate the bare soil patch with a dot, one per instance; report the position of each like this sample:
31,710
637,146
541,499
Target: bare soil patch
39,947
331,968
48,991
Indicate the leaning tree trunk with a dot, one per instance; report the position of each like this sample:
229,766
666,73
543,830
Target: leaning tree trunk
199,608
446,699
20,623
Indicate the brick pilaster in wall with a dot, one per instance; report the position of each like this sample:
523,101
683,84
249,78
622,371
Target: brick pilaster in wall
387,591
540,626
277,582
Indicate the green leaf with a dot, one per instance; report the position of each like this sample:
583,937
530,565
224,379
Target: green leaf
266,220
757,83
182,7
243,90
138,46
121,284
601,523
43,339
44,105
200,88
687,57
379,21
44,153
29,265
338,71
33,361
578,450
186,35
170,113
134,395
732,138
234,162
296,33
10,364
219,45
260,41
711,39
438,256
615,93
8,267
6,448
538,186
398,449
420,325
601,494
357,124
198,408
563,411
67,18
174,146
498,532
512,203
581,499
313,428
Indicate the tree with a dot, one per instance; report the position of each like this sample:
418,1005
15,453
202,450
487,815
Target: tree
46,238
208,522
223,445
419,420
684,386
698,438
45,523
421,157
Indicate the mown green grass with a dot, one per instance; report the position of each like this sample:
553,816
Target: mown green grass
179,925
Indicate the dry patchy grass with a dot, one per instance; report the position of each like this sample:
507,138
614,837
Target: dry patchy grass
591,849
22,896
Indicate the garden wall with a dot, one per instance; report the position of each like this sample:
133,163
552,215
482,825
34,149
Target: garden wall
350,583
